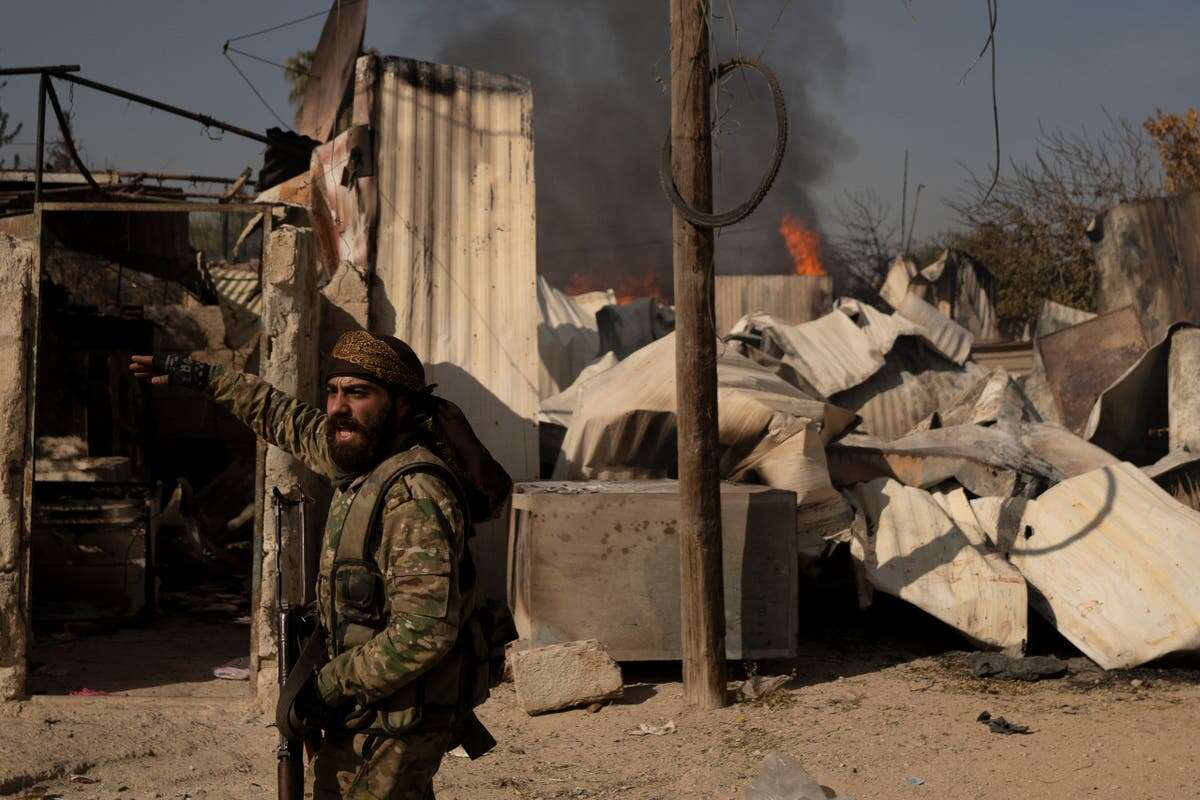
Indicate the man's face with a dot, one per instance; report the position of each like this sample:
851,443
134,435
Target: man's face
361,422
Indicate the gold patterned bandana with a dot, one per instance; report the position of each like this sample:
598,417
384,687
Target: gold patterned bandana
385,360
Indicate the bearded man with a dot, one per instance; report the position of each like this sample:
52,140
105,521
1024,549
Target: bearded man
404,653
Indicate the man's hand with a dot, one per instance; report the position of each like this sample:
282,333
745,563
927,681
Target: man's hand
171,368
142,367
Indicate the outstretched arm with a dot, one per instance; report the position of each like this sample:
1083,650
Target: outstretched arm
280,419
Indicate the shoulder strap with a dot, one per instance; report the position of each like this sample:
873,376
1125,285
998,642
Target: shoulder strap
366,505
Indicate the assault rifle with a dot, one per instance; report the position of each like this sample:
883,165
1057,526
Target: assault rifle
290,752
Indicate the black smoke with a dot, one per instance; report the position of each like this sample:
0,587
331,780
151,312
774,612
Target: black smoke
600,70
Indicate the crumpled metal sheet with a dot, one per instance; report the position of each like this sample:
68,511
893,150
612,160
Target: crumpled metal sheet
913,384
624,425
838,351
1082,360
902,290
1135,404
931,551
1114,560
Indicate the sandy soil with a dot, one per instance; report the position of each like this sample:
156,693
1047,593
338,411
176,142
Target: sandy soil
884,706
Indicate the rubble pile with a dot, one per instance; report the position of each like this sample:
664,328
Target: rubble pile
973,494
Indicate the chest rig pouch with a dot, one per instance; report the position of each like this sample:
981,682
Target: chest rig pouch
358,597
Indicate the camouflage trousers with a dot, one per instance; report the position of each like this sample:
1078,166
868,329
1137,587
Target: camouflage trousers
369,767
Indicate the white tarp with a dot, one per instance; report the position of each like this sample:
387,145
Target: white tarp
567,335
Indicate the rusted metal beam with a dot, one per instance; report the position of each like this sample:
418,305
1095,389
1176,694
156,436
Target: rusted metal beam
23,175
56,69
64,126
203,119
43,82
220,208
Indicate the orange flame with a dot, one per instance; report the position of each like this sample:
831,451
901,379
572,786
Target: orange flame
803,244
626,287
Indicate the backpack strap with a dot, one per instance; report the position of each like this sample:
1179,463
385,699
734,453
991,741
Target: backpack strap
367,504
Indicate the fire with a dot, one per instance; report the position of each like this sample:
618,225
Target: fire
626,287
803,244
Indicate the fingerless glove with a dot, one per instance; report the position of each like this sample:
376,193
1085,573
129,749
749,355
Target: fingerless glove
183,371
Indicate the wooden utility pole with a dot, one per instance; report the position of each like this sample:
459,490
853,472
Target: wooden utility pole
702,595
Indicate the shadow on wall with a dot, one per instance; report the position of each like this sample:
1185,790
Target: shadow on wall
505,433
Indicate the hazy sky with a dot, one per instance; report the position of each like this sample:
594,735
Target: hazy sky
1061,62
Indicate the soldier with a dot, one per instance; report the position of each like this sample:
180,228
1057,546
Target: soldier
396,586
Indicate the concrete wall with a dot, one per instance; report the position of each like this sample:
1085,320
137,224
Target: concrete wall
18,298
290,362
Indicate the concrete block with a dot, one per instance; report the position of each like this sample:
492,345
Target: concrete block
564,675
1183,390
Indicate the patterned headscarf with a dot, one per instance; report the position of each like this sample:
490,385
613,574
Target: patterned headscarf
380,359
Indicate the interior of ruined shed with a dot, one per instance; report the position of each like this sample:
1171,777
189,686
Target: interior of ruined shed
143,499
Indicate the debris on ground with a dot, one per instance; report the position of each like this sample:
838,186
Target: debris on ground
1026,668
645,729
1001,725
953,484
757,687
237,669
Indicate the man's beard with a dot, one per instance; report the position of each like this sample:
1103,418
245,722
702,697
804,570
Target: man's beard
367,450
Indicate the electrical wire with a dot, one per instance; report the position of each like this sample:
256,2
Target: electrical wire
292,22
257,93
286,67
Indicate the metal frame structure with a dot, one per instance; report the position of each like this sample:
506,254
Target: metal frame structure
66,72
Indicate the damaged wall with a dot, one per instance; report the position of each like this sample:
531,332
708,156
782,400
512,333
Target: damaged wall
291,364
18,294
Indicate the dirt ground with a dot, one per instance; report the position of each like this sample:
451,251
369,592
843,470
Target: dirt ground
881,706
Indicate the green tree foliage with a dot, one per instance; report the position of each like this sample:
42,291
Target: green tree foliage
298,73
1029,230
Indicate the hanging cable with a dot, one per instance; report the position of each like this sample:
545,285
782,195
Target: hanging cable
256,92
666,173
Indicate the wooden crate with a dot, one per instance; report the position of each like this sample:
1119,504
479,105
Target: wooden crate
600,560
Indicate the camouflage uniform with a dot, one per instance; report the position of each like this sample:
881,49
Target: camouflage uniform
421,547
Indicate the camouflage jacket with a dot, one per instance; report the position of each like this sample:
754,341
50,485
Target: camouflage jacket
422,544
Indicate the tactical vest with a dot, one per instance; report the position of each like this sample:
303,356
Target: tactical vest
358,605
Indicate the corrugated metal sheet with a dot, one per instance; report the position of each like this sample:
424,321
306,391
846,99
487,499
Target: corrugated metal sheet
903,290
1148,256
912,385
1114,558
962,289
238,287
791,298
456,260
